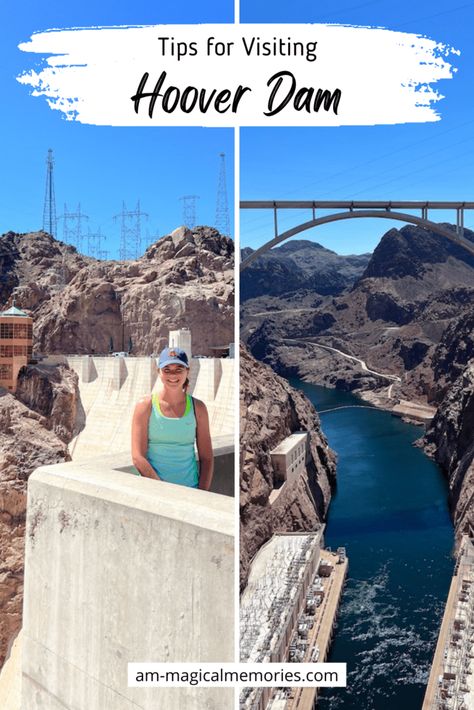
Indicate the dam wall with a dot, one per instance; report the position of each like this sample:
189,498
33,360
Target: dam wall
118,569
110,387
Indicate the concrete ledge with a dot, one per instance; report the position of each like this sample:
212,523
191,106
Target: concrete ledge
121,568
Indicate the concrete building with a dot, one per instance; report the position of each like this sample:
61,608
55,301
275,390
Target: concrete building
451,681
288,611
289,457
289,460
181,339
16,344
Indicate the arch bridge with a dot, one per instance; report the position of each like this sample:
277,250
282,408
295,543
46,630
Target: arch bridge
360,209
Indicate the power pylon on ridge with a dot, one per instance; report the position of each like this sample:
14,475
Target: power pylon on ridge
222,206
130,232
189,210
94,243
73,227
50,223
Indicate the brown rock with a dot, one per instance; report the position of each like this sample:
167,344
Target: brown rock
270,410
81,305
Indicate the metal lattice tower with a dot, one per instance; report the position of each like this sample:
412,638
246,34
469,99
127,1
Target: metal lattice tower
130,232
73,227
222,206
189,210
50,223
94,243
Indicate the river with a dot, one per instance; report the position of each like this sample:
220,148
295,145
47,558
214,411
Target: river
390,512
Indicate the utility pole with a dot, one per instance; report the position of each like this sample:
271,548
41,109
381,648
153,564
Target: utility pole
50,223
189,210
94,243
130,232
73,231
222,205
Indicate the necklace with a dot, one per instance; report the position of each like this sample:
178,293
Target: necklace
175,411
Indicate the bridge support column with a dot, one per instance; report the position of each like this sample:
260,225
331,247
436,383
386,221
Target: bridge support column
460,222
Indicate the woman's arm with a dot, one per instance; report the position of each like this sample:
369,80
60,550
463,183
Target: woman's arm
141,416
204,445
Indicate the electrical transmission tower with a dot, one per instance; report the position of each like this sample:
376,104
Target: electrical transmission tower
222,206
73,229
50,223
94,243
130,232
189,210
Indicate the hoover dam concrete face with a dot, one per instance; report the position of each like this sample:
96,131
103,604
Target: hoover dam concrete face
121,569
110,387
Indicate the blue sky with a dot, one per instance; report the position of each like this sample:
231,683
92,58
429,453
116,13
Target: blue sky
99,167
432,161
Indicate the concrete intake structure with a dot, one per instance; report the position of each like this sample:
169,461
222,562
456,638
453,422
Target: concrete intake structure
120,568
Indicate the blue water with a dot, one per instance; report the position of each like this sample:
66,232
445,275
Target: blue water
390,512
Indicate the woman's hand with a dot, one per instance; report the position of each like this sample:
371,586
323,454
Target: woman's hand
204,445
140,420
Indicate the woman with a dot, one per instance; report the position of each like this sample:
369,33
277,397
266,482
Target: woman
166,424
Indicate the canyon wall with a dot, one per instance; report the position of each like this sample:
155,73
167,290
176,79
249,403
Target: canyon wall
270,410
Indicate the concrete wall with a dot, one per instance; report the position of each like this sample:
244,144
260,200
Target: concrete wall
110,387
118,569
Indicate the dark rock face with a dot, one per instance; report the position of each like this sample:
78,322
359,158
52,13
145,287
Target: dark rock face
454,352
270,410
382,306
80,305
30,436
450,439
300,265
52,392
409,251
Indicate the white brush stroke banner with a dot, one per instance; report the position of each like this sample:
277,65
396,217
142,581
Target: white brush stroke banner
383,77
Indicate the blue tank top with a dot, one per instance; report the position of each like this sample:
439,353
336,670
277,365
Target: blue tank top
171,445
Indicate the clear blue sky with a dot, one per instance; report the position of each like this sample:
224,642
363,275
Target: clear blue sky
411,162
99,167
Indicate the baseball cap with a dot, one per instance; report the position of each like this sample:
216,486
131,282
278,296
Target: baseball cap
172,356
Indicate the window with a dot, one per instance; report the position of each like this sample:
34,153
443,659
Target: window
20,350
6,372
6,330
6,350
22,331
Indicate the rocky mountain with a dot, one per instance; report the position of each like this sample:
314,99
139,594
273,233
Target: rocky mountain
415,285
31,435
270,410
300,265
81,305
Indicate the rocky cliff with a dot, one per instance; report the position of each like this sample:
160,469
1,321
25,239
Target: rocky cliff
270,410
414,287
450,440
81,305
300,265
31,436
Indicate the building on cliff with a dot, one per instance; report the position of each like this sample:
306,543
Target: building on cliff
16,345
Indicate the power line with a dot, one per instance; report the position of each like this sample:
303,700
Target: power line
130,232
73,231
189,210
